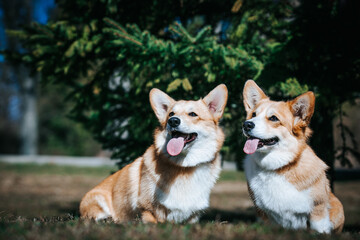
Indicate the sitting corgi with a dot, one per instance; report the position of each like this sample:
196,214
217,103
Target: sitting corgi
286,180
173,179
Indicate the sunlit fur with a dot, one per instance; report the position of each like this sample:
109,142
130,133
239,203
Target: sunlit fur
157,187
287,181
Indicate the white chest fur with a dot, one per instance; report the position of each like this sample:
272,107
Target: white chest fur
282,202
188,194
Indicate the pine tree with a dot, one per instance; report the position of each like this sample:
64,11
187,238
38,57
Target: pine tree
186,67
111,70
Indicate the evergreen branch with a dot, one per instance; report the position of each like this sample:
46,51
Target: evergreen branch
124,36
174,30
134,28
128,38
16,33
43,29
202,34
123,33
185,33
342,133
237,5
115,24
355,153
352,136
113,31
37,37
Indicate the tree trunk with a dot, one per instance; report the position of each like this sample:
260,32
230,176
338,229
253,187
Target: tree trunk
29,126
16,13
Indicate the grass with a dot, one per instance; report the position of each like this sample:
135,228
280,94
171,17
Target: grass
41,202
73,228
52,169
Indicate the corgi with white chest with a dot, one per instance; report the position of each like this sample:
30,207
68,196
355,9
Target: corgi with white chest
286,180
173,179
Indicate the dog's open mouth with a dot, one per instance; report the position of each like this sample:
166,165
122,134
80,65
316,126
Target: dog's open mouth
178,141
252,144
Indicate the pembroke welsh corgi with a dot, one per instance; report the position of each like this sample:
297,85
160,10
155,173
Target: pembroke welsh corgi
173,179
286,180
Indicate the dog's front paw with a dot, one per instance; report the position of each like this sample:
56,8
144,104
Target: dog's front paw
322,226
148,217
193,219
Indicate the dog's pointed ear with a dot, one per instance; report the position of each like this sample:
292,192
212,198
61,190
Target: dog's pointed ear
216,101
160,103
252,95
302,108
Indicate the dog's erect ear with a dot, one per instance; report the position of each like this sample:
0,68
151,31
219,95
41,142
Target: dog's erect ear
160,103
216,101
252,95
302,108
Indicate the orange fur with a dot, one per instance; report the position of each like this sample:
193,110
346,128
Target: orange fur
135,191
305,171
336,213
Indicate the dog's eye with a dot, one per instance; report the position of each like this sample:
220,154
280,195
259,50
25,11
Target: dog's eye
192,114
253,114
273,118
171,114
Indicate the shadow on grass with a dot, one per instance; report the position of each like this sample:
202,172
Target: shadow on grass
235,216
209,215
72,210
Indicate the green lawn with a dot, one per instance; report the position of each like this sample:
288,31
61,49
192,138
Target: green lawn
52,169
68,228
41,202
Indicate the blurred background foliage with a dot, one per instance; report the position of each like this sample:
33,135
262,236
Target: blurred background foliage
58,133
105,56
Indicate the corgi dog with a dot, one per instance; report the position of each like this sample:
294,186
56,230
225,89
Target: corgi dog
286,180
173,179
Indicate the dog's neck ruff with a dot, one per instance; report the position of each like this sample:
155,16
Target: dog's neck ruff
274,160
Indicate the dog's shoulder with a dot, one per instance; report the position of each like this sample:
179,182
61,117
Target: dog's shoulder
306,170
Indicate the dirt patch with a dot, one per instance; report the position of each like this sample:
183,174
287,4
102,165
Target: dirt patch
42,195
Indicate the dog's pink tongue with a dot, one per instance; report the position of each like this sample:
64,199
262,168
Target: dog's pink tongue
175,146
251,146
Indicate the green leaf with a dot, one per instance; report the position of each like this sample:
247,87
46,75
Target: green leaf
211,77
27,58
71,50
186,84
93,25
88,46
86,32
174,85
66,69
291,87
231,62
40,66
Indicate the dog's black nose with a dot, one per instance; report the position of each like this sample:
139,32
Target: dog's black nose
174,122
248,125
